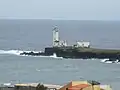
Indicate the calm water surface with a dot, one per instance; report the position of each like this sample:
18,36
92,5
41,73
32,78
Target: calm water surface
48,70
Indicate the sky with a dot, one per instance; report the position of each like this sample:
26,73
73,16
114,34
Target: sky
61,9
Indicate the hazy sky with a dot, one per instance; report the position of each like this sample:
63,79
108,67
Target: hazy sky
61,9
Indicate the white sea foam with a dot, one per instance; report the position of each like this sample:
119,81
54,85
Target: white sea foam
18,52
13,52
104,60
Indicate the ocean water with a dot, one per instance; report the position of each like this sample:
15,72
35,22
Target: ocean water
37,34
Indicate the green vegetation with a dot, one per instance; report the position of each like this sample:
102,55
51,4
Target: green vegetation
93,82
97,50
41,87
89,50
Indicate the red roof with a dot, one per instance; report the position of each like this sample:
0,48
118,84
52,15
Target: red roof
80,86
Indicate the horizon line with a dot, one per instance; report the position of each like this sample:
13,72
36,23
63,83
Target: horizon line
12,18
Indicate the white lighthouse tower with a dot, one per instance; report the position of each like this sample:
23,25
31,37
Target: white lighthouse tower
55,37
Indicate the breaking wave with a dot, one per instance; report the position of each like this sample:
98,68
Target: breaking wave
13,52
18,52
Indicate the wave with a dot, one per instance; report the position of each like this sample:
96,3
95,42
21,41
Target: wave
15,52
110,61
18,53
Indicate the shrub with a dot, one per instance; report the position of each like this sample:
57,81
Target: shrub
41,87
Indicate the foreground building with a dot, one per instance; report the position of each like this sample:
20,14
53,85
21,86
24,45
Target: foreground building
30,86
73,85
84,85
34,86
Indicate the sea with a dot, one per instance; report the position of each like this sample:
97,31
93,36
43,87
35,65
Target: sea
36,34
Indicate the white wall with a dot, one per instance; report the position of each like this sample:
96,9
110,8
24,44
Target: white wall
83,44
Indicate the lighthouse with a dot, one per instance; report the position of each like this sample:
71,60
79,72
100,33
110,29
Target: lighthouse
55,37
